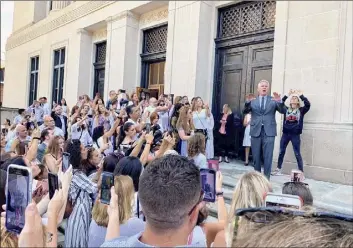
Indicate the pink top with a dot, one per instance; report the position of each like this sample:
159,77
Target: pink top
222,130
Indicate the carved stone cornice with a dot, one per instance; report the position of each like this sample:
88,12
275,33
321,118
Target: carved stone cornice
123,15
156,15
48,25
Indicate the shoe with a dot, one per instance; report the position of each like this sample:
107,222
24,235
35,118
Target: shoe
226,160
246,164
220,159
277,172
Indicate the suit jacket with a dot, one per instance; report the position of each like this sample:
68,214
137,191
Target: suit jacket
266,118
58,123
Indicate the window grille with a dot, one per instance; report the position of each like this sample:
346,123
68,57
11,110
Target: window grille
58,75
101,50
155,40
247,18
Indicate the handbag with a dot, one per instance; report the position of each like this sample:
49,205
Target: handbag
204,130
70,206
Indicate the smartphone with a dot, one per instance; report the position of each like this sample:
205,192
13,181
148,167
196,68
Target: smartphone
283,200
66,161
18,196
297,176
213,164
148,128
208,184
53,184
122,91
107,183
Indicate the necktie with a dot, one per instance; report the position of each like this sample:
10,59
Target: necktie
263,103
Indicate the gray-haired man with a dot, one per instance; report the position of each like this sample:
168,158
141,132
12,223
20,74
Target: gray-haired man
263,126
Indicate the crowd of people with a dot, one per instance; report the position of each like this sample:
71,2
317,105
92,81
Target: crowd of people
155,149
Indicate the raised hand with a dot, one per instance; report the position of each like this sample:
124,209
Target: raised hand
276,96
32,232
219,181
250,97
299,92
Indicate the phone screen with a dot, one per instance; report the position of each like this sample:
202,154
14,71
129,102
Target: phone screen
18,196
148,127
53,184
107,183
66,162
208,184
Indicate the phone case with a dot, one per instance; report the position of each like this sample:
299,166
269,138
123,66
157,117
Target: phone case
29,194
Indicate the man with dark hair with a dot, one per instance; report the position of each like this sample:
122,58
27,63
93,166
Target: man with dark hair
45,105
134,113
21,115
170,196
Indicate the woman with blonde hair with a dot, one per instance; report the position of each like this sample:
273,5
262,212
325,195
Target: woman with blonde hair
196,150
249,193
226,132
53,157
129,224
185,128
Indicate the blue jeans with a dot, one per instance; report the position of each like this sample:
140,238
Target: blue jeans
295,139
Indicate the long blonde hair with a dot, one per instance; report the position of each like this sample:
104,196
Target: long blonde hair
229,109
249,193
54,147
124,188
183,122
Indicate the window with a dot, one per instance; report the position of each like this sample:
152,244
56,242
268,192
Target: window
58,74
2,75
33,79
153,58
99,69
50,5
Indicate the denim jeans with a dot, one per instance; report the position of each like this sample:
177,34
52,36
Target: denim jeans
295,139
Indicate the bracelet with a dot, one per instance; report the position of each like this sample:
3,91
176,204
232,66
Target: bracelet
36,138
219,194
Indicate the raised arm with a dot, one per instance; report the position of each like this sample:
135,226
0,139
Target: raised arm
307,104
247,106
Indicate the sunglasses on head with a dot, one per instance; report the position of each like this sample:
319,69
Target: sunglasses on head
202,195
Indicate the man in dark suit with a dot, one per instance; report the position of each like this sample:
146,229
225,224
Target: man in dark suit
263,126
60,119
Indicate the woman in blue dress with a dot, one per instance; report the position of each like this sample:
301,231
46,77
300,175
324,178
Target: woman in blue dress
185,128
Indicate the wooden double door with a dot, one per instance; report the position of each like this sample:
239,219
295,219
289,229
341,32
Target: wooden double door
238,72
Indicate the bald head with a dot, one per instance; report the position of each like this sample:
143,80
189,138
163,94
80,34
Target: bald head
263,87
48,121
153,101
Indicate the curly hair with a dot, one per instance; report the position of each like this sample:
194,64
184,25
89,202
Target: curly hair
196,145
73,146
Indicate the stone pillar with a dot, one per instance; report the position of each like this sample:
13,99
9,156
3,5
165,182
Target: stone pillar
58,5
122,52
84,42
190,49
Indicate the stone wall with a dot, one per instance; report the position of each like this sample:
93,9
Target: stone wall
313,52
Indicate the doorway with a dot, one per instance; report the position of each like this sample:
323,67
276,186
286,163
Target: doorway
99,69
244,54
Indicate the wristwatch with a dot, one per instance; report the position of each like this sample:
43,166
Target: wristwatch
219,194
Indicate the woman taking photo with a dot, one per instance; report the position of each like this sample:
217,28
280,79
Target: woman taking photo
66,109
129,224
82,194
225,131
185,129
292,127
126,137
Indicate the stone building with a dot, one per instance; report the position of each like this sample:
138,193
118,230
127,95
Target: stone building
218,50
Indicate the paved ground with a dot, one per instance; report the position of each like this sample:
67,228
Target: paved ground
327,196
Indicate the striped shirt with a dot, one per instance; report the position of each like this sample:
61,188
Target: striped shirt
82,193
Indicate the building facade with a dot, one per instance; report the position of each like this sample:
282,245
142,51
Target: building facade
218,50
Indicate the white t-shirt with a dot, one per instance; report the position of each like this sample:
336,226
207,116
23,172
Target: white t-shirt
200,161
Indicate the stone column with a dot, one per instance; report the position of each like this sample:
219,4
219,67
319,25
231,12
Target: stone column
58,5
190,49
122,52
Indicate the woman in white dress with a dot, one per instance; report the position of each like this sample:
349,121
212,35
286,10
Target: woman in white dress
247,138
201,115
